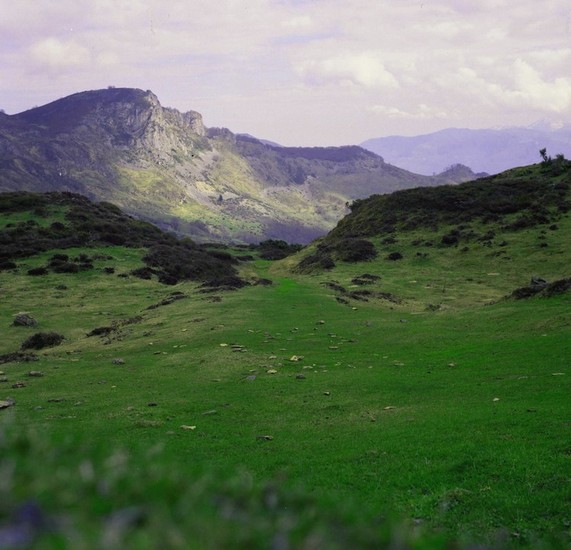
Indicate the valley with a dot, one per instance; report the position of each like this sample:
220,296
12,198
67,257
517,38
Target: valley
329,400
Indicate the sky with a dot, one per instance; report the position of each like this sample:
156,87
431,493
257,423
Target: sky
301,72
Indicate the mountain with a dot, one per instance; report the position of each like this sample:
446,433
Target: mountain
491,151
161,165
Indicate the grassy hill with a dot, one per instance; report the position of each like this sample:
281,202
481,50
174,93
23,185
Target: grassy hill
409,402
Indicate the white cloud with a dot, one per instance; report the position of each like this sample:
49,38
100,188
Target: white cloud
420,65
422,112
363,69
57,54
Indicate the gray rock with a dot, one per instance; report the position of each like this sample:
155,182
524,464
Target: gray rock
118,361
538,282
24,320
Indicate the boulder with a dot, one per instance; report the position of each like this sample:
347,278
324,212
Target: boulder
24,320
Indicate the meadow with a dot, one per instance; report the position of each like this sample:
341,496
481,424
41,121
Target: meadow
401,404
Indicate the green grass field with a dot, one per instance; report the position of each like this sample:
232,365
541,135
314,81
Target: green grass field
278,417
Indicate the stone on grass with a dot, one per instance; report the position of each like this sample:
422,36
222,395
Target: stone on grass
6,403
118,361
35,374
264,437
300,376
24,320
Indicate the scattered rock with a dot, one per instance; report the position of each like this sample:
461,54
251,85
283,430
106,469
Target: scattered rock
210,413
19,384
24,320
35,374
6,403
250,378
271,371
296,358
538,282
321,322
300,377
326,393
185,427
264,437
495,399
152,404
389,408
118,361
56,399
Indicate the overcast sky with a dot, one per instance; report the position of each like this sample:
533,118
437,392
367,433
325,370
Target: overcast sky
300,72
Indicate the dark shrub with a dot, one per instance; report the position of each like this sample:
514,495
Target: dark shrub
7,265
355,250
35,271
326,262
101,331
66,267
525,292
143,273
449,239
113,238
109,270
394,256
42,340
59,258
230,282
557,287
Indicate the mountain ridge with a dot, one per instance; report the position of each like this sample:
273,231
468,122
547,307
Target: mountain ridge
121,145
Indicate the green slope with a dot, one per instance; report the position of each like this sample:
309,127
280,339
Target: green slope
298,413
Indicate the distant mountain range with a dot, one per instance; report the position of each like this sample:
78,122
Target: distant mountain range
120,145
491,151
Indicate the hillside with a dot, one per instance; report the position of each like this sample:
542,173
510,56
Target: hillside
479,212
381,401
120,145
490,151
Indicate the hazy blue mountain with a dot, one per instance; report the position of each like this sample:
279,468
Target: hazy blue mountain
491,151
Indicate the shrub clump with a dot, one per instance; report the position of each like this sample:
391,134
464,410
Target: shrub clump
355,250
394,256
42,340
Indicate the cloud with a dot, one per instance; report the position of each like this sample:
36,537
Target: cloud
254,66
59,55
363,69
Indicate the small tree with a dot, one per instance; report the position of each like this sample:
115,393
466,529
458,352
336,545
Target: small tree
544,156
